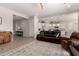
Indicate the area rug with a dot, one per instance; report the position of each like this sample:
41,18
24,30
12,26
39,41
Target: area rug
38,48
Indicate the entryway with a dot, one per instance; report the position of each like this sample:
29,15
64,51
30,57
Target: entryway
20,26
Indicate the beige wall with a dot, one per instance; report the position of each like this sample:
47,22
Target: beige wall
25,27
31,26
34,25
7,20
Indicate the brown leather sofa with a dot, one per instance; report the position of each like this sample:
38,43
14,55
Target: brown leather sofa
71,44
49,36
5,37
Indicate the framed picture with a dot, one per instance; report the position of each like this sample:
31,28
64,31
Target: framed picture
0,20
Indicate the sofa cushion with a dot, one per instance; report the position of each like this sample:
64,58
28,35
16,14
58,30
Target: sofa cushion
74,51
75,43
42,33
75,35
57,35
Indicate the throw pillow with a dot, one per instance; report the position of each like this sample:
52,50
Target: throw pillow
57,35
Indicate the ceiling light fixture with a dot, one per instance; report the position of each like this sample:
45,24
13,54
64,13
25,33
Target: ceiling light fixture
50,25
53,24
41,5
68,5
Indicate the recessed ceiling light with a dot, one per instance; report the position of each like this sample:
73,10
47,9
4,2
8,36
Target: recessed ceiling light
68,6
50,25
53,24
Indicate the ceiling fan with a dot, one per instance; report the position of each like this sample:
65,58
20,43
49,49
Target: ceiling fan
41,5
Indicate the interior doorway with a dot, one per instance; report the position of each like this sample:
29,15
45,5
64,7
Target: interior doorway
20,26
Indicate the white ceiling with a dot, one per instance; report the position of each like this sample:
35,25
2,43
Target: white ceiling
49,9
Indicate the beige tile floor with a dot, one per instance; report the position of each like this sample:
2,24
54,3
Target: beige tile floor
17,42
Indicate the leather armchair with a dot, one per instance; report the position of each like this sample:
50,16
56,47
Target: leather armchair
74,50
69,45
5,37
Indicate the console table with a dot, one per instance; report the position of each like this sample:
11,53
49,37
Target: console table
19,33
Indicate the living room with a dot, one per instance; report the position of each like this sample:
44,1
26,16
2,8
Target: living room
33,33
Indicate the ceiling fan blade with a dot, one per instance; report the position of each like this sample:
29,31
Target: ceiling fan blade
41,5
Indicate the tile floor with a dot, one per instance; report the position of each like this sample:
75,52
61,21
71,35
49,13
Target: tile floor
18,42
38,48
